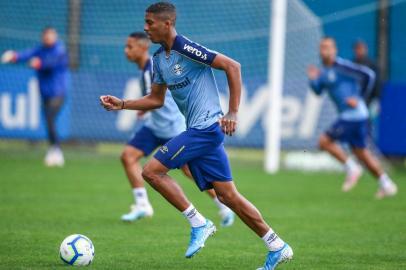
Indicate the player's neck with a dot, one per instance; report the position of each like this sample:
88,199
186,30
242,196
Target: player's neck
168,42
143,61
329,62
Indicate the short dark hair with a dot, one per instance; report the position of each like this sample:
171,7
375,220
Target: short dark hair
48,28
328,37
138,35
166,10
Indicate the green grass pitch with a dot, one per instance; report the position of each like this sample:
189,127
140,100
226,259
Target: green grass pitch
326,228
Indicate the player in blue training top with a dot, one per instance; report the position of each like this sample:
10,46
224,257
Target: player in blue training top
345,81
50,61
159,127
185,68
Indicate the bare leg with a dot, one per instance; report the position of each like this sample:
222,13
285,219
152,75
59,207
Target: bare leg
326,144
156,175
249,214
130,158
366,157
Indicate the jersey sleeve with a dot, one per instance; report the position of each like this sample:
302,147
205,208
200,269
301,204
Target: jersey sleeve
317,86
366,75
194,50
156,72
27,54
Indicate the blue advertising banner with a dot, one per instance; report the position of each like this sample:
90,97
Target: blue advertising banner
21,113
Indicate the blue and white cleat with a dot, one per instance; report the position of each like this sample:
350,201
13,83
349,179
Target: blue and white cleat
227,217
198,236
274,258
138,212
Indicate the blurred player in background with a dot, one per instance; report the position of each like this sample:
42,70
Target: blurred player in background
50,60
160,126
185,68
345,81
360,49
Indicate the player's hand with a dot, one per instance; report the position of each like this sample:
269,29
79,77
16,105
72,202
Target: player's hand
111,103
313,72
352,102
228,123
8,57
35,63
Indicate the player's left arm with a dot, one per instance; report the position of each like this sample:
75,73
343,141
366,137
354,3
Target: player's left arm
154,100
233,72
366,75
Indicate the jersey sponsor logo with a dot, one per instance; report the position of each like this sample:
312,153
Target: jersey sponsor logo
179,85
195,51
164,149
177,69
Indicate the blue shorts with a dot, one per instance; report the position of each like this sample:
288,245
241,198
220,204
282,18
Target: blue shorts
203,151
355,133
146,141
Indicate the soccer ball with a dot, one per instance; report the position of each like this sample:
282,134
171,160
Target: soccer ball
77,249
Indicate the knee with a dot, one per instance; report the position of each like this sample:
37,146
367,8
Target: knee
127,157
323,142
227,197
150,175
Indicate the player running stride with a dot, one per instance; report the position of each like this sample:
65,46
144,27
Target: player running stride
185,68
160,126
345,81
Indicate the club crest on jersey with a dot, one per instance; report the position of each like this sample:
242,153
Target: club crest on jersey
331,75
177,69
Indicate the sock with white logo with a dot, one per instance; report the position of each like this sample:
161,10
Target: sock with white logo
140,196
195,218
272,241
350,165
220,205
384,181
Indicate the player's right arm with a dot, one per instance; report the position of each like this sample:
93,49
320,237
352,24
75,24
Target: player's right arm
313,73
149,102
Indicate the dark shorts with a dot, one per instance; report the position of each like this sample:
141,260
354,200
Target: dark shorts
146,141
203,151
355,133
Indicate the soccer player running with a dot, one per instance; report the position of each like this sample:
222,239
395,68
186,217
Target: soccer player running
185,68
50,60
345,81
162,125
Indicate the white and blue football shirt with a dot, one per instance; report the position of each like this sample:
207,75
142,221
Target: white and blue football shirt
187,73
167,121
344,80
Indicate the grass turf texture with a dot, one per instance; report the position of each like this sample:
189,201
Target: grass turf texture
327,229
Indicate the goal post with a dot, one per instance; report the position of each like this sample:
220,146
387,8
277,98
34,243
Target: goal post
275,83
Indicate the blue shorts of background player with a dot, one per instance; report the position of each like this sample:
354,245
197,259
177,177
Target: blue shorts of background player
202,150
146,141
355,133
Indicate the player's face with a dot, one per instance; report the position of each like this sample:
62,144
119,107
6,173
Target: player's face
156,28
360,51
134,49
328,50
49,37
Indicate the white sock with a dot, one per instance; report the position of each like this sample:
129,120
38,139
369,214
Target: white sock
195,218
140,196
220,205
272,241
350,165
384,180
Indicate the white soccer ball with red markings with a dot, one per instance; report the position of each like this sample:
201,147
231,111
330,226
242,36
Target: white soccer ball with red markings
77,250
